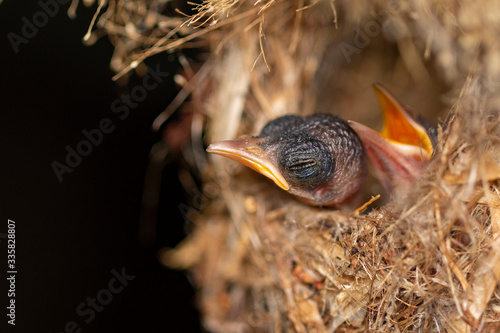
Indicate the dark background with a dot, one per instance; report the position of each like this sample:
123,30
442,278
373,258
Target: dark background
71,235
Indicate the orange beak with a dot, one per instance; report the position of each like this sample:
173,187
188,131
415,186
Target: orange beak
399,127
249,153
399,152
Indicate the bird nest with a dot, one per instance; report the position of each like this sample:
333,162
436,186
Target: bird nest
425,259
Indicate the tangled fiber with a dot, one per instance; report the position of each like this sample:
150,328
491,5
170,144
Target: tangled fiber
426,259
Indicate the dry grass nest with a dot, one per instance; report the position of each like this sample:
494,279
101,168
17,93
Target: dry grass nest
428,258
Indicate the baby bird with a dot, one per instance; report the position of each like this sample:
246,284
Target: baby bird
322,159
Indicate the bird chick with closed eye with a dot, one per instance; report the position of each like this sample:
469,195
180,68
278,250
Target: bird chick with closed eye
322,159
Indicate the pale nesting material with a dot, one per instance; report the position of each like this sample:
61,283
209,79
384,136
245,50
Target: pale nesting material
429,260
